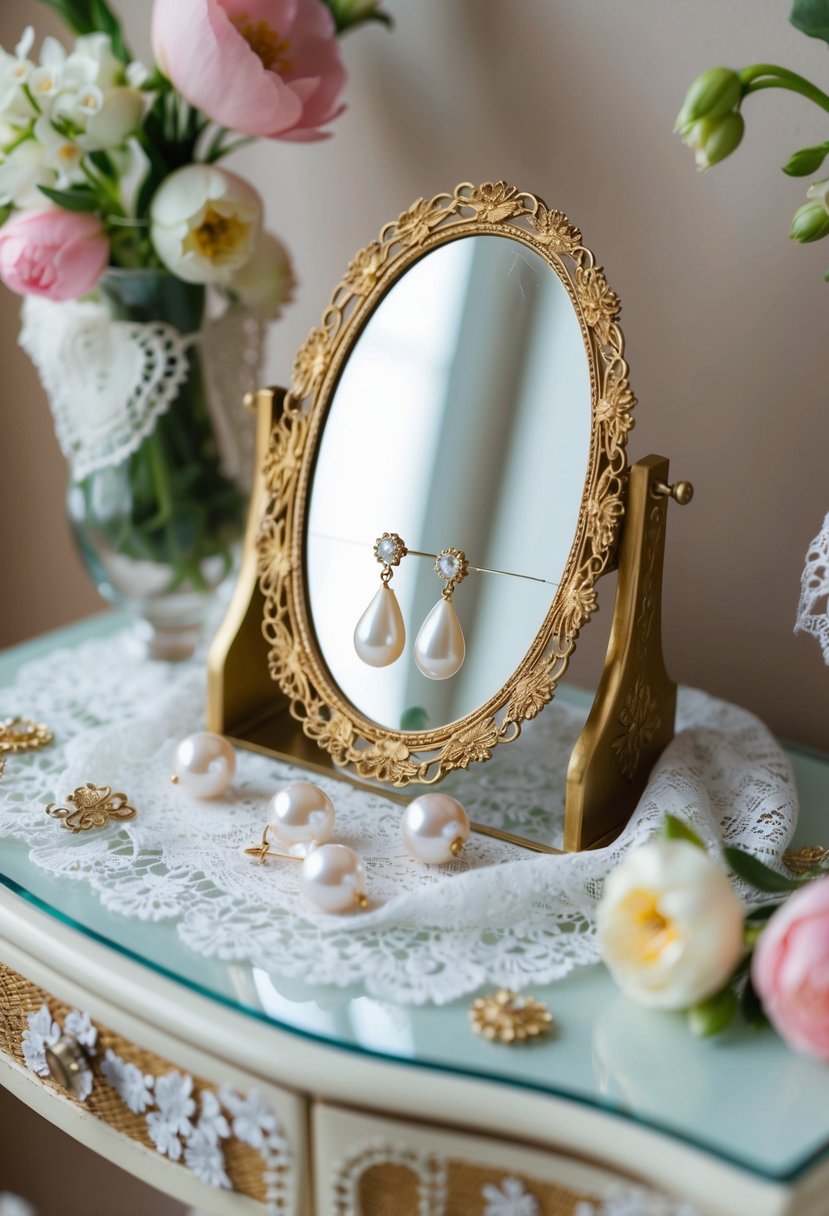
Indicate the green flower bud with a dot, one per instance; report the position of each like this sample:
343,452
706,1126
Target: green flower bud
348,13
715,138
712,94
810,223
806,161
713,1015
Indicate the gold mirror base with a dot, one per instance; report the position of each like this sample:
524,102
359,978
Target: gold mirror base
630,723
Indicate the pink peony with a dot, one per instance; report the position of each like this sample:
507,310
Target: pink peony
260,67
790,970
55,253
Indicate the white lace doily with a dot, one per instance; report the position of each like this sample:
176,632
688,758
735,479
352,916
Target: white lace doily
813,609
429,935
108,382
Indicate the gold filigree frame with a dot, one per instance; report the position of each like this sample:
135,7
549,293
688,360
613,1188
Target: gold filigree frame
294,660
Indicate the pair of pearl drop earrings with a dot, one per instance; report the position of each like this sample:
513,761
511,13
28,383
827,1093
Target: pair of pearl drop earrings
380,636
301,819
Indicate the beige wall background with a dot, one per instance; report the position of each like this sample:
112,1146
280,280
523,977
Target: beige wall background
724,317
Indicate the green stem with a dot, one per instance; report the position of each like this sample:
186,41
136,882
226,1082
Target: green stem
782,78
215,153
21,139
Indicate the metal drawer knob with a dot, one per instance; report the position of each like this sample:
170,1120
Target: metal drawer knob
67,1061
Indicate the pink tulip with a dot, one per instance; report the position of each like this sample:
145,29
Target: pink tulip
260,67
790,970
56,253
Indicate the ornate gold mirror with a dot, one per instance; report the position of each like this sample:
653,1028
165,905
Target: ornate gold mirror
461,412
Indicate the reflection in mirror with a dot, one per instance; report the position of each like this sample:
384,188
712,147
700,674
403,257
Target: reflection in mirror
462,419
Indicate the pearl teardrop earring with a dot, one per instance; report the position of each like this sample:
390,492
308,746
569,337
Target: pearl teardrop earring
440,648
380,635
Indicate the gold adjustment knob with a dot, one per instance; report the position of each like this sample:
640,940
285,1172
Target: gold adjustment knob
681,491
67,1061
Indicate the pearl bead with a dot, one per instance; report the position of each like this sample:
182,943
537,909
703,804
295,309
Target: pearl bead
435,828
204,765
334,879
301,816
440,648
380,634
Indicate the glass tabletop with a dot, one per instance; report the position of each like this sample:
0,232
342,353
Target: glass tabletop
743,1097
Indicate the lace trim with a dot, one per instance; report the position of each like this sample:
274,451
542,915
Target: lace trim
500,916
813,609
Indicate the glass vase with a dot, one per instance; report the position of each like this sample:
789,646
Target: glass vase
159,532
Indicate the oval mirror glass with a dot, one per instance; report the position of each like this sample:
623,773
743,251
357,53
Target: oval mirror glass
462,418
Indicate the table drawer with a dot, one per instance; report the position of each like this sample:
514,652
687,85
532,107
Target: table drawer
184,1122
375,1166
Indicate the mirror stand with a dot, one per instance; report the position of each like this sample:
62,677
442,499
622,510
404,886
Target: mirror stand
629,725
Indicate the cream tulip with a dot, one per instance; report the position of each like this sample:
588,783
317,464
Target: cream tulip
670,926
266,282
205,223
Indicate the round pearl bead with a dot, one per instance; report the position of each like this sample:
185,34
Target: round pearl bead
334,879
301,816
435,828
204,765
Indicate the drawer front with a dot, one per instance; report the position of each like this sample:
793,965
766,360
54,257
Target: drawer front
375,1166
233,1135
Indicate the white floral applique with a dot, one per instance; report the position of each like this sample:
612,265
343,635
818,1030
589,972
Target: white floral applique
634,1201
253,1121
132,1086
202,1152
206,1159
42,1032
172,1118
511,1198
80,1025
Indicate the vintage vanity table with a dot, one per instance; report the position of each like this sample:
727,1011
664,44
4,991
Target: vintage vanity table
467,389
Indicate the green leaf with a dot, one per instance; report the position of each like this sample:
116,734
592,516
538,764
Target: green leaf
811,17
74,12
104,20
762,914
751,1007
757,874
90,17
806,161
675,829
71,200
713,1015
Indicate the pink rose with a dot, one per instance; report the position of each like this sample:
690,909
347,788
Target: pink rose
56,253
260,67
790,969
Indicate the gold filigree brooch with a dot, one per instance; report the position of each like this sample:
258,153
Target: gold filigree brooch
505,1016
91,806
21,735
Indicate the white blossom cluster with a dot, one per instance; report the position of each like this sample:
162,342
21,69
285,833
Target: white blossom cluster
55,110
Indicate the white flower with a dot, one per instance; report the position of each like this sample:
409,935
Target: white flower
206,1160
670,926
43,1032
205,223
252,1119
79,1024
172,1119
21,172
131,1085
212,1122
266,282
14,73
509,1199
117,117
85,1083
